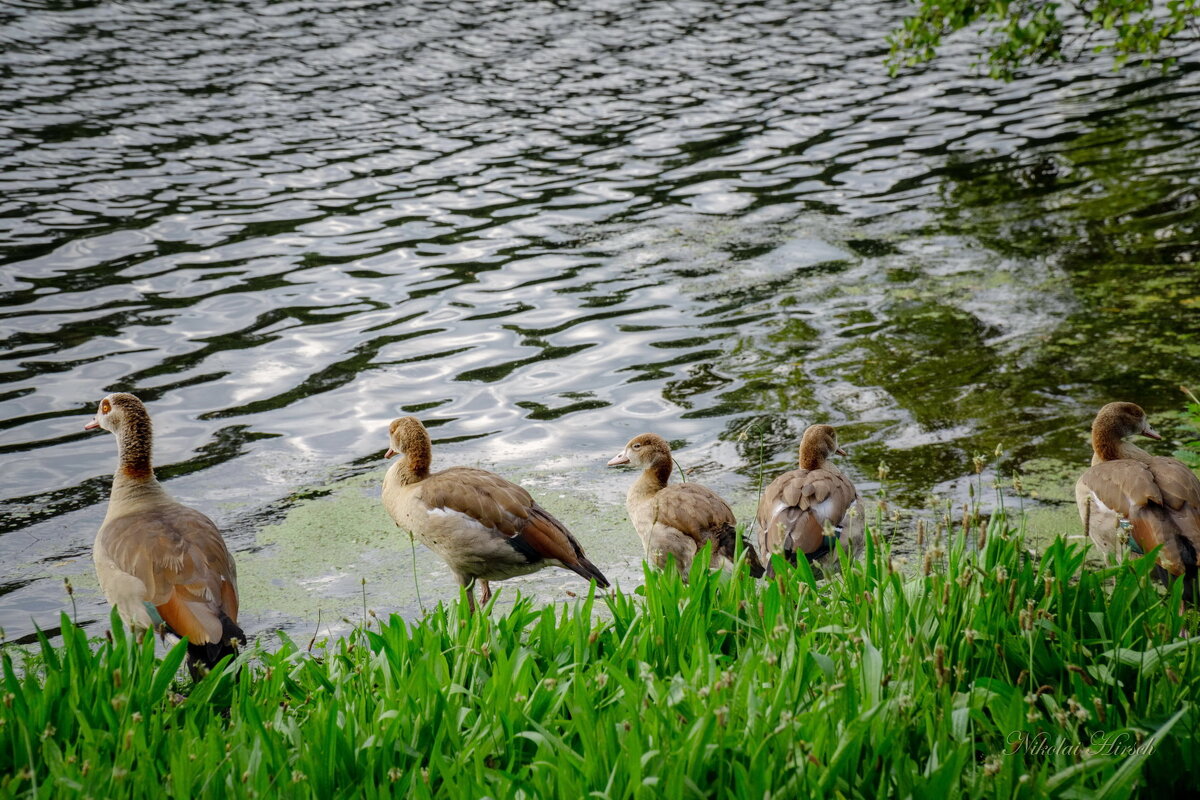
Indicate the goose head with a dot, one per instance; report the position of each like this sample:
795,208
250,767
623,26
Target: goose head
818,443
1119,420
643,450
407,437
119,411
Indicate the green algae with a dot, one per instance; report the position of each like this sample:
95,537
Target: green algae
336,550
330,547
1050,480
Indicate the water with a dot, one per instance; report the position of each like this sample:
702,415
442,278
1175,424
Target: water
543,228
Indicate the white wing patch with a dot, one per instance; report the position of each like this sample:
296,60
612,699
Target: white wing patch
824,510
1103,508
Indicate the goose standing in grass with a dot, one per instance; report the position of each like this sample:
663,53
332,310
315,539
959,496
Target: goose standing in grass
804,510
1131,501
484,527
159,561
677,519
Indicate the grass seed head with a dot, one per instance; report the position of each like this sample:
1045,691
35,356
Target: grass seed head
1027,616
1076,710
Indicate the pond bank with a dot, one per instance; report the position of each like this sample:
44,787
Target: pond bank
991,676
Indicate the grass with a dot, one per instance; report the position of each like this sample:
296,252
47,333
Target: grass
1189,453
991,673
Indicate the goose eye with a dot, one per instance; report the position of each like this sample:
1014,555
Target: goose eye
105,407
637,447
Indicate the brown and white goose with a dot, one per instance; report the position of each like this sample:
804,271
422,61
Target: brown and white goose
1131,501
798,506
484,527
159,561
677,519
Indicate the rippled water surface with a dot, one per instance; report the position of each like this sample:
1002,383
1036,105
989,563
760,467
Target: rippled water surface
544,227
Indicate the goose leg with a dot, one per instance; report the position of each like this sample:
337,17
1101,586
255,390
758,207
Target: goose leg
485,593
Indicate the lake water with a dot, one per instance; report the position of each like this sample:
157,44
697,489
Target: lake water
544,227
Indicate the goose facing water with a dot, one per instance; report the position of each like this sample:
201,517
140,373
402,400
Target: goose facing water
802,509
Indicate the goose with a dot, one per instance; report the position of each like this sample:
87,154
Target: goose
162,563
484,527
676,520
1132,501
803,510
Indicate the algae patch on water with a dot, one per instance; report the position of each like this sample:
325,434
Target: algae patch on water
1050,483
336,545
315,561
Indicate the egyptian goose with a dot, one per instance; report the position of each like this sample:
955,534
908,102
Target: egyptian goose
798,506
160,562
484,527
677,519
1132,500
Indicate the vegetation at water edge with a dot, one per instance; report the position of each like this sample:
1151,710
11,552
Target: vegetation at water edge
990,672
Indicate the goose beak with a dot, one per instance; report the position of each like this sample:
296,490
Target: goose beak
390,452
1148,431
841,452
619,458
91,426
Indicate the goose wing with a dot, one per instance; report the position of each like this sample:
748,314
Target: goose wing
510,512
795,507
180,560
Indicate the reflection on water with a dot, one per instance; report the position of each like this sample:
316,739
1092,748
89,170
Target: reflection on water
547,226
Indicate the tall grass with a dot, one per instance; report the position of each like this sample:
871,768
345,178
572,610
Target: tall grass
991,673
